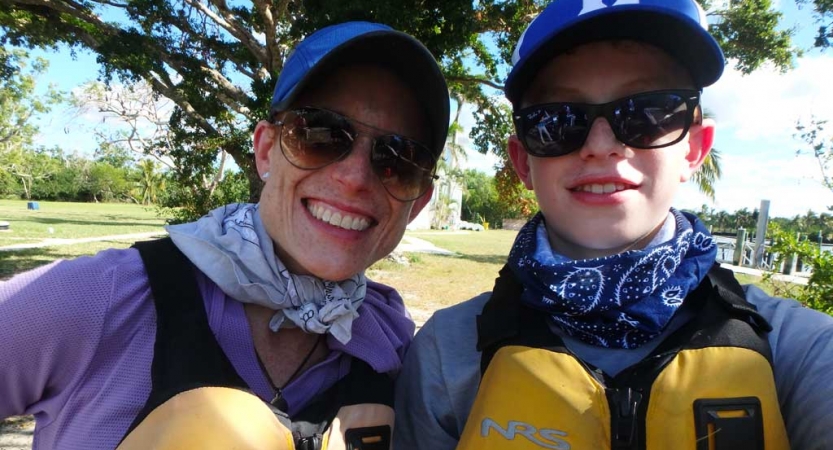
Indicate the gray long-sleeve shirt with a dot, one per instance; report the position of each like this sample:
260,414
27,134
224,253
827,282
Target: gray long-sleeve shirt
439,381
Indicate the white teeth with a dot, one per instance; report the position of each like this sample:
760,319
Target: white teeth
338,219
335,219
360,224
607,188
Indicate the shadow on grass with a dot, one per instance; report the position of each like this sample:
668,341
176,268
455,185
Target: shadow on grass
110,223
13,262
16,261
485,259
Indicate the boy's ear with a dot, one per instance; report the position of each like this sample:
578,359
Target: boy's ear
700,141
520,160
420,203
264,140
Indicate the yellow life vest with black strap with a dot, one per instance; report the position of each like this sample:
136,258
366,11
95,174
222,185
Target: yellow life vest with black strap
199,401
708,386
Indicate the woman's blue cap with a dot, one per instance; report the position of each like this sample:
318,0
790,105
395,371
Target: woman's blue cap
361,43
678,27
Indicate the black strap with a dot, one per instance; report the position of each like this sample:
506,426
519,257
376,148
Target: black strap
186,354
734,297
499,318
506,321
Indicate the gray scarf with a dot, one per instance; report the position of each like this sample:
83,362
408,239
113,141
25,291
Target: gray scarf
231,247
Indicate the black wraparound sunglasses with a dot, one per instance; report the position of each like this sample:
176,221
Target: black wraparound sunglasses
312,138
644,121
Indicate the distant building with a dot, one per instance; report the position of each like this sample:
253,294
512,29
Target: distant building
444,209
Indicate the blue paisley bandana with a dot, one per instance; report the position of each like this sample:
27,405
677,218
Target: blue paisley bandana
619,301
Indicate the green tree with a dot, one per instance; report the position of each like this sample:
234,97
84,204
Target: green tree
217,61
151,182
18,101
823,10
818,293
481,202
31,167
818,143
18,104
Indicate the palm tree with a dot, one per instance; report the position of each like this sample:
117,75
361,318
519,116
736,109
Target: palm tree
722,220
451,175
151,182
709,172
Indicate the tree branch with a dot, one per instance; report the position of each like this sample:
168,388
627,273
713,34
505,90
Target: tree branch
172,94
79,12
474,79
274,62
230,24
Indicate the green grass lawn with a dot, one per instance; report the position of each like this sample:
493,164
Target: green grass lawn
57,220
432,282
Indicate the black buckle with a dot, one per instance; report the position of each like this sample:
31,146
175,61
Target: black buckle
624,412
309,443
729,423
368,438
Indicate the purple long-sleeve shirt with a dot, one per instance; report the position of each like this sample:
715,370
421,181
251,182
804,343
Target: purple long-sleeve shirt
76,346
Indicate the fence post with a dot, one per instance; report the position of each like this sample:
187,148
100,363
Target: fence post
740,242
760,235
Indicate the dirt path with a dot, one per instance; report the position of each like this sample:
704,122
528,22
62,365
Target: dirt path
53,242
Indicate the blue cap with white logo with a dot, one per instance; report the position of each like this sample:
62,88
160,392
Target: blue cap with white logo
374,43
678,27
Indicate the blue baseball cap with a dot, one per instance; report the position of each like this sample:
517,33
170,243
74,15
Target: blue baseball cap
366,42
678,27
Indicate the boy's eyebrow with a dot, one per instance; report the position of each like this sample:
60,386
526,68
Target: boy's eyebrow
547,92
552,92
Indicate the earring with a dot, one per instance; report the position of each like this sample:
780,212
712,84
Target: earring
264,176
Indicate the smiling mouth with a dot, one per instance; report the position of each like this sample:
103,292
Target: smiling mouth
337,218
606,188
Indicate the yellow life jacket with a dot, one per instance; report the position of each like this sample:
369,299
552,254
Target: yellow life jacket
199,401
708,386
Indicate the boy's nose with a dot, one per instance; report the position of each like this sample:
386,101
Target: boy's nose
601,142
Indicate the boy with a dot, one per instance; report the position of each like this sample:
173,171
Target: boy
610,325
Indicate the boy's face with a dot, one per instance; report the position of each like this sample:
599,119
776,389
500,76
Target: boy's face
606,198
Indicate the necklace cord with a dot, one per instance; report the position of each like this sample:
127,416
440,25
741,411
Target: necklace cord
301,366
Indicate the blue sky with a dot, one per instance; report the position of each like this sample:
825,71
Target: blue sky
756,116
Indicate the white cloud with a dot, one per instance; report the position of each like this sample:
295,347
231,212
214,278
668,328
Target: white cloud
767,103
791,184
756,116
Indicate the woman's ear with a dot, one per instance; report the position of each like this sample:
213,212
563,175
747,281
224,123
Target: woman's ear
700,141
520,160
264,140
